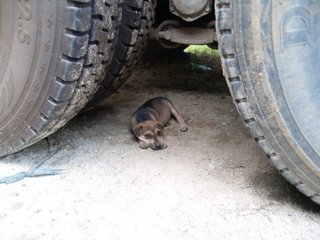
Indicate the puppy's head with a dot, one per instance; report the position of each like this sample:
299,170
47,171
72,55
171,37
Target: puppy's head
150,132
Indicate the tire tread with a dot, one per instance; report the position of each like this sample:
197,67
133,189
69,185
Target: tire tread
137,20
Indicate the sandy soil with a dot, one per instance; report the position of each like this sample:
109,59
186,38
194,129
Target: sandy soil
212,182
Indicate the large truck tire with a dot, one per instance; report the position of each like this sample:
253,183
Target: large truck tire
134,30
52,55
270,57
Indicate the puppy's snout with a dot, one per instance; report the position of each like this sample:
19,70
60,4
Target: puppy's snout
158,145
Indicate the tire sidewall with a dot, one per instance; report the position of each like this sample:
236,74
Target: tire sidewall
30,62
255,56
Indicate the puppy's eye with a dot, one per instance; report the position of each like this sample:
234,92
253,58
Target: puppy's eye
148,136
158,133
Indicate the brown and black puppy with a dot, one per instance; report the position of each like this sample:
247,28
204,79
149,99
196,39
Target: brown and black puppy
148,121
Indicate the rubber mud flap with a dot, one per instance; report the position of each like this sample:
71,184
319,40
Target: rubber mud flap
52,56
270,57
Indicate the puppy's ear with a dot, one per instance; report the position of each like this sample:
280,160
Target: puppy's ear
159,125
137,129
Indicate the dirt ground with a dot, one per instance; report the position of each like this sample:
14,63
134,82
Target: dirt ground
212,182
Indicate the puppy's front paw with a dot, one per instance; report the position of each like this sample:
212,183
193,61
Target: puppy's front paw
143,145
183,128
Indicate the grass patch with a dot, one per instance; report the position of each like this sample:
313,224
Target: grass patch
202,54
202,51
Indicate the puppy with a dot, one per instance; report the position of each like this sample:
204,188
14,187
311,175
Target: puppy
148,121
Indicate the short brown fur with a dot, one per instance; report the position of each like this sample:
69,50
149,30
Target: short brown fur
148,121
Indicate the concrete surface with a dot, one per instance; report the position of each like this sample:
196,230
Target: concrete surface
212,182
